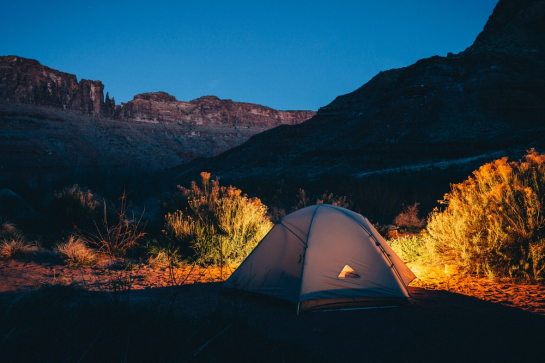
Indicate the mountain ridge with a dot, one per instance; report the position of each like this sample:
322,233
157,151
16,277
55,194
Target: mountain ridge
488,98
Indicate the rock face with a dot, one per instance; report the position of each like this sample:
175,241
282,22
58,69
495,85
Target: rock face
162,107
487,101
27,81
48,119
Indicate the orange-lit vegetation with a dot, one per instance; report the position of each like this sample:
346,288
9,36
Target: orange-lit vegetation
220,224
124,233
494,221
75,252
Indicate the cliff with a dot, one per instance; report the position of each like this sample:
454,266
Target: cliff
49,119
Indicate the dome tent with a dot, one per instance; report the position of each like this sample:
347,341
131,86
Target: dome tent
325,257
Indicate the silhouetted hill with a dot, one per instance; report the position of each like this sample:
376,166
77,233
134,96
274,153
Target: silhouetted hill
485,102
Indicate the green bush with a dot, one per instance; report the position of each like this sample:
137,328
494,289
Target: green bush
494,221
411,249
220,224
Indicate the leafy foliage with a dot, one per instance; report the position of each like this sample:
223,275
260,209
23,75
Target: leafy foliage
220,224
494,221
411,249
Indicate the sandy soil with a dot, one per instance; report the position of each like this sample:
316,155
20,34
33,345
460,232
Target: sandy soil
455,319
22,274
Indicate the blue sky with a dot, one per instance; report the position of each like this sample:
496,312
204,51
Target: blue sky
282,54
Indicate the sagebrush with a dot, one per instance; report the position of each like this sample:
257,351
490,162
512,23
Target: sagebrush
220,224
494,221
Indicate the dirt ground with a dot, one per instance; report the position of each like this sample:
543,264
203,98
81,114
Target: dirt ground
456,318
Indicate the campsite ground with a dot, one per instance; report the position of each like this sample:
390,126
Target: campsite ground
456,318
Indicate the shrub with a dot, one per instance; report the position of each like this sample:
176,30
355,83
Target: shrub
303,200
76,253
219,224
408,219
8,229
14,247
334,200
115,239
411,249
494,221
75,206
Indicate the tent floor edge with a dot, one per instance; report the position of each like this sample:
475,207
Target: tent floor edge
349,303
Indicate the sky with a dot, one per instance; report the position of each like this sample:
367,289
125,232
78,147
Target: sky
288,55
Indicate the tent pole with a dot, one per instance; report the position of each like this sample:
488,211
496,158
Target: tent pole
394,267
304,256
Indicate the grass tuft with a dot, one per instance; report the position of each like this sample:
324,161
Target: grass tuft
76,253
15,247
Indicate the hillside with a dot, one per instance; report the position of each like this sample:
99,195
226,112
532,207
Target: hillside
485,102
50,120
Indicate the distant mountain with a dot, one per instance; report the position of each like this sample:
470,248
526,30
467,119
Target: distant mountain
485,102
48,119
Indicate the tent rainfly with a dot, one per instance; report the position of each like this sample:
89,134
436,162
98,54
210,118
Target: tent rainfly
325,257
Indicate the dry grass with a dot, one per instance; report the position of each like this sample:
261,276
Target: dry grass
115,239
494,221
15,247
8,228
76,253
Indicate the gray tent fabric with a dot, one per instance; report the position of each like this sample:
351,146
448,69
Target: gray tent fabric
324,256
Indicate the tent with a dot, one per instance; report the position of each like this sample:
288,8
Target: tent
325,257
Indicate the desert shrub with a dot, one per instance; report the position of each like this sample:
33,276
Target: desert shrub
304,200
383,230
75,252
333,199
15,247
124,233
411,249
494,221
408,219
75,206
8,229
220,224
164,253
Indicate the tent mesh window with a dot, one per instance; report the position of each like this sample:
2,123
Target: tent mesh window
348,273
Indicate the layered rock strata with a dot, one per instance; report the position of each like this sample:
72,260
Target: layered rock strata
50,119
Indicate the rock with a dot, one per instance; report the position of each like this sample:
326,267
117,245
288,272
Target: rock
49,120
27,81
481,104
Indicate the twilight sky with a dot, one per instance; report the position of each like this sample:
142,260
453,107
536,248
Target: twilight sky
286,55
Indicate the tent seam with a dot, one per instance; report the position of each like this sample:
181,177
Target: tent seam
398,275
304,258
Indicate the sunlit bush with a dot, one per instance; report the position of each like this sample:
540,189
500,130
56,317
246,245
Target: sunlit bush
494,221
220,224
411,249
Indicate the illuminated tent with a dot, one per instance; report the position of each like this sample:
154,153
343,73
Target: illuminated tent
325,257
